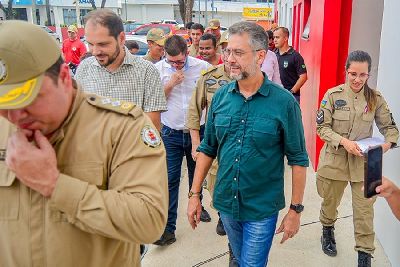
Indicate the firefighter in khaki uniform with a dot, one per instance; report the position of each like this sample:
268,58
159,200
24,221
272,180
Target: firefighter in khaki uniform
209,82
83,179
346,114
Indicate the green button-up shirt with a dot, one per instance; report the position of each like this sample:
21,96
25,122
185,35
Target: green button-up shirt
250,138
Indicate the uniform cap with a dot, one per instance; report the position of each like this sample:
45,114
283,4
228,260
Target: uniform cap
72,28
26,52
156,35
214,24
224,37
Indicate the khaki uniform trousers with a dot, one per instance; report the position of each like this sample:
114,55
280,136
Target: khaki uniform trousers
363,211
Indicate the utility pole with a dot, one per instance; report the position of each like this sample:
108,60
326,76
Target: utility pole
199,11
34,19
126,11
205,13
78,14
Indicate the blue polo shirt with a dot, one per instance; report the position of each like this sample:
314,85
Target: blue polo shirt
250,138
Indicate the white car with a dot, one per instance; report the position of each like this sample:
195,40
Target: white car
141,41
51,33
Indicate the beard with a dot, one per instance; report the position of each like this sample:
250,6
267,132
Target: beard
244,73
110,59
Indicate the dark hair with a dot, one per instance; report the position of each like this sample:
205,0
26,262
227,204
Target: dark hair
270,34
369,93
257,36
209,36
284,30
197,26
54,71
175,45
108,19
189,25
131,44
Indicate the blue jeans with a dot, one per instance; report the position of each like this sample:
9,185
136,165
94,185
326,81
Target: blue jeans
250,240
177,144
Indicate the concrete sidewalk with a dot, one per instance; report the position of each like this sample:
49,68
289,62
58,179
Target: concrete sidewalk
203,247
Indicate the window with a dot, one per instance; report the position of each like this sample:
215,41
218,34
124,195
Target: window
70,15
306,20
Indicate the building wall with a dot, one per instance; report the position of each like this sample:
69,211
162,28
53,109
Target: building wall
386,226
367,12
146,13
324,50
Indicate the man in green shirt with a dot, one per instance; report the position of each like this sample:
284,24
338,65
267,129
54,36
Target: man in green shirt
251,125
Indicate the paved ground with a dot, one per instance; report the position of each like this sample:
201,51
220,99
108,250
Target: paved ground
203,247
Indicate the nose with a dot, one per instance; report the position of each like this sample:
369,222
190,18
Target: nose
16,115
94,50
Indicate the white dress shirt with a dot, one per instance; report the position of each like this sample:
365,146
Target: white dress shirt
179,98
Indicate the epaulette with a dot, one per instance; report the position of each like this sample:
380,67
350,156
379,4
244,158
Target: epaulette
336,89
118,106
210,69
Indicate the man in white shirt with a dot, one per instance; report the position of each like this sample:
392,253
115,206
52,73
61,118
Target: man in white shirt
179,74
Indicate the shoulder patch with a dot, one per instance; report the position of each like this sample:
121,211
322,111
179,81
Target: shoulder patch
118,106
150,136
210,69
320,116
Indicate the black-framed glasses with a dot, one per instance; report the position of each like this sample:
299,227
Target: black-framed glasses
177,62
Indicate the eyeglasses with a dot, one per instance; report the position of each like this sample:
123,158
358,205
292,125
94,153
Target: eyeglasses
177,63
354,75
236,53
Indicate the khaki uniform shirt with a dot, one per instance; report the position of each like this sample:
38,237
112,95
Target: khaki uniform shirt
111,194
149,58
193,52
344,113
208,83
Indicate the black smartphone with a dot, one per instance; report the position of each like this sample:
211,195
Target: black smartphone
372,170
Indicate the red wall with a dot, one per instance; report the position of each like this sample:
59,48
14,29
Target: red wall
324,53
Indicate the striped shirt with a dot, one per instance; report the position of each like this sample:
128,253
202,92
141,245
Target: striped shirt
136,80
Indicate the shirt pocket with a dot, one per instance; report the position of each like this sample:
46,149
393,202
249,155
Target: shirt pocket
222,126
265,134
9,194
341,121
367,122
91,172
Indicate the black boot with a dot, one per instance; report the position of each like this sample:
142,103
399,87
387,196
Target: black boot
364,259
328,241
220,227
232,260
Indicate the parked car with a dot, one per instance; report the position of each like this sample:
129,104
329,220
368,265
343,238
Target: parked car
141,41
51,33
169,21
130,26
169,29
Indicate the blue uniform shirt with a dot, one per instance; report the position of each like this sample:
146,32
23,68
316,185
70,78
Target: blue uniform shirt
250,138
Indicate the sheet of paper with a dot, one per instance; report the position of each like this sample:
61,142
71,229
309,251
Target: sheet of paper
364,144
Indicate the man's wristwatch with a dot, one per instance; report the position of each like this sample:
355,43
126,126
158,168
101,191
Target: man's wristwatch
298,208
193,194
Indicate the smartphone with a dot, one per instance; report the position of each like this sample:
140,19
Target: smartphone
372,170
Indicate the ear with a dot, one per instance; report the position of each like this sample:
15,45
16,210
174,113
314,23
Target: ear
261,56
64,78
122,38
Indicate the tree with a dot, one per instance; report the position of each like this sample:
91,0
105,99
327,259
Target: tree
9,11
185,9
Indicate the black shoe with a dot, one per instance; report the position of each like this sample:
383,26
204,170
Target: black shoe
166,239
364,259
232,260
328,241
220,228
204,216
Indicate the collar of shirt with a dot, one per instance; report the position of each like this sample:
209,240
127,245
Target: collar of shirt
289,52
263,90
